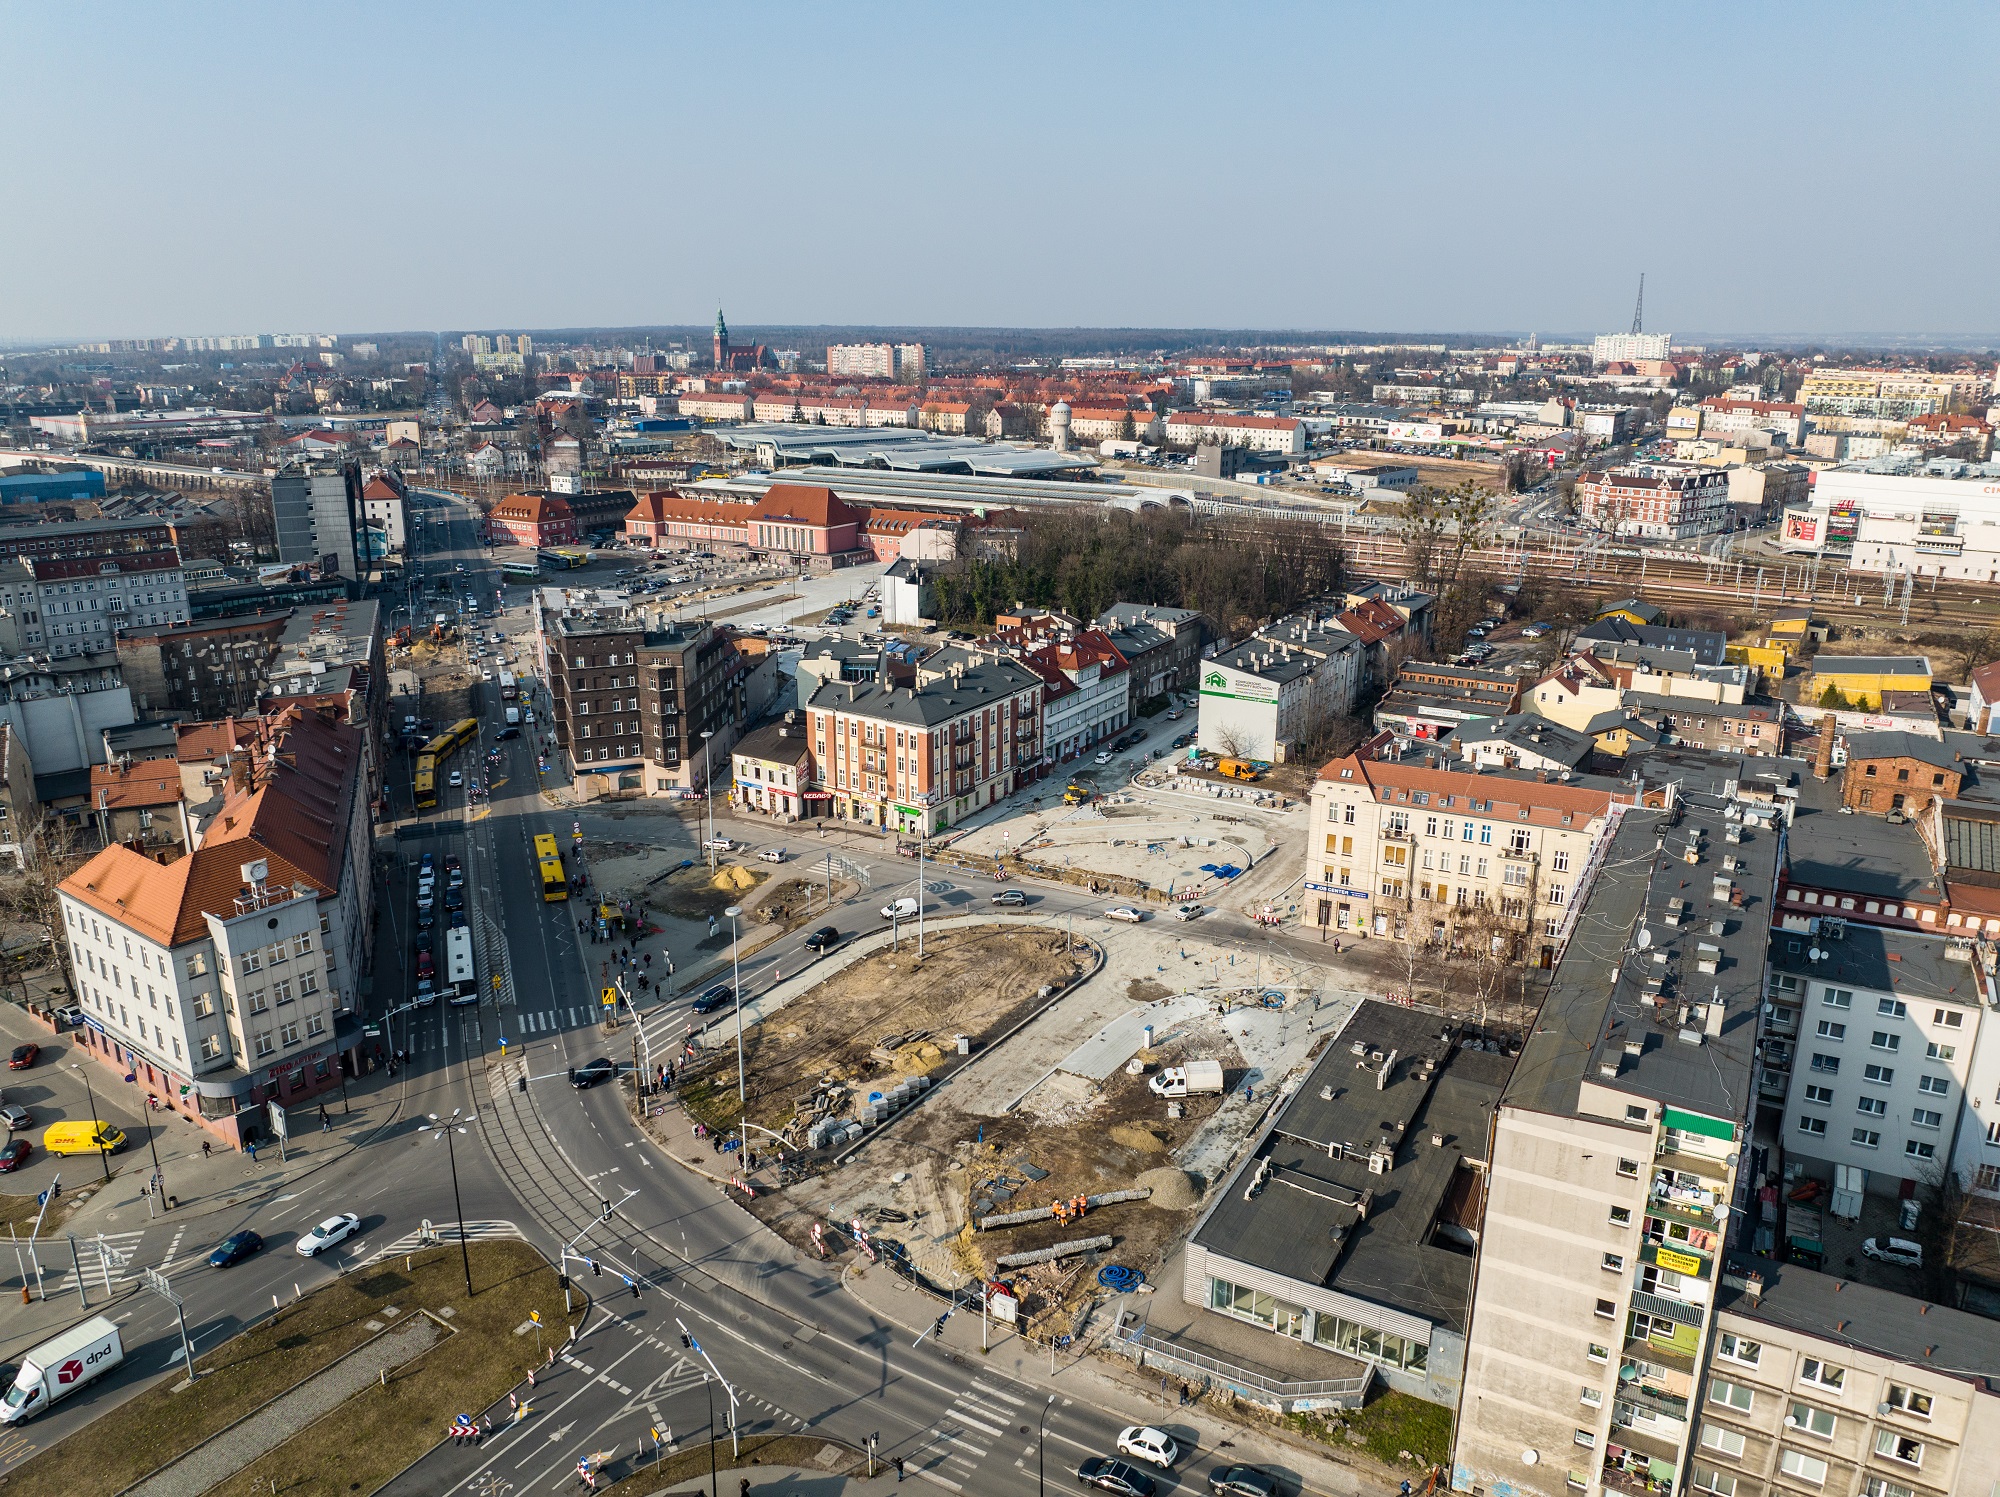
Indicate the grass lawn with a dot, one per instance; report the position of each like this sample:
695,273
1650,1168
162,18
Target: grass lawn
1388,1424
372,1436
690,1462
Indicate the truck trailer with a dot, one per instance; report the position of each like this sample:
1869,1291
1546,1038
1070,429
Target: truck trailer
59,1366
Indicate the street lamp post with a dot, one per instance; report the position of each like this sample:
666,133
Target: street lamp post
736,988
103,1154
708,794
445,1126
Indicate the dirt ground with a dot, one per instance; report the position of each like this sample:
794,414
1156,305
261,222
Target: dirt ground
1069,1137
696,893
882,1020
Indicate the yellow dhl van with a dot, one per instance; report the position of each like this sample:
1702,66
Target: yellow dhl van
1237,769
86,1136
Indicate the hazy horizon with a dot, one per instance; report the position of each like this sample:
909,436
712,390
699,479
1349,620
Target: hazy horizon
233,169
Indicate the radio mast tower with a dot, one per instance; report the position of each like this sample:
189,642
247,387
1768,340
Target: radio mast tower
1639,306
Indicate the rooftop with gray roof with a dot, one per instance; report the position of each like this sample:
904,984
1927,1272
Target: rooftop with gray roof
1848,1312
973,681
1872,956
1865,855
1656,937
1396,1083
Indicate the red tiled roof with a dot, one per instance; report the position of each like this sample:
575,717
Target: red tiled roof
295,815
379,487
537,508
149,782
808,504
1546,802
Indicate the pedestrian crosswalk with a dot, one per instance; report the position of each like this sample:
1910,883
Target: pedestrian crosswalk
475,1231
547,1021
950,1452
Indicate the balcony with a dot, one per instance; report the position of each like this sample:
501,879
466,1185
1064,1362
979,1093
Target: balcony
1648,1396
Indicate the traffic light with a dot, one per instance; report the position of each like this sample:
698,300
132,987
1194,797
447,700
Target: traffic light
687,1341
520,1083
635,1289
596,1269
604,1214
562,1281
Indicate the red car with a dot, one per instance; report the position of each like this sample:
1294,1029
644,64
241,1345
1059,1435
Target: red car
23,1057
13,1154
425,964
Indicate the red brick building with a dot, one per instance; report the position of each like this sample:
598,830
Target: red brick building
532,520
1666,500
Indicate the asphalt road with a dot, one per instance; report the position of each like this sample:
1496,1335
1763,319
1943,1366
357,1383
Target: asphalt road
795,1350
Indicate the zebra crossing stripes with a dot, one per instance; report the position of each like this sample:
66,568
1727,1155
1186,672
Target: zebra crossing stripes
475,1231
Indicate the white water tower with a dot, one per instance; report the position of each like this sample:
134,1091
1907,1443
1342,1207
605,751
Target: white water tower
1059,425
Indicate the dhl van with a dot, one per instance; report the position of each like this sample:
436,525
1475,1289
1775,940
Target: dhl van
1237,769
82,1136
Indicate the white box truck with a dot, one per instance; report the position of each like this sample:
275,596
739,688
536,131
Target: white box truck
61,1365
513,717
1195,1079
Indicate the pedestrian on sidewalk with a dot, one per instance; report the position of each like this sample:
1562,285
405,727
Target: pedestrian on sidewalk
205,1148
899,1470
250,1148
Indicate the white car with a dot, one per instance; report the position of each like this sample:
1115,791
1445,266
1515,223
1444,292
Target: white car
1104,758
327,1233
457,779
1189,912
1123,912
717,844
1895,1250
1144,1443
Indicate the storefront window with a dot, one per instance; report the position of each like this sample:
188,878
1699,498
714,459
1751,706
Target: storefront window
1234,1299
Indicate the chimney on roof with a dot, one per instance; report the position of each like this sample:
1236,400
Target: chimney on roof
1823,757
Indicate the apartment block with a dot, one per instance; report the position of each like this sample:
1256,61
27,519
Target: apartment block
921,748
1669,501
65,606
1414,844
227,978
317,510
1617,1159
1278,686
1877,1029
642,706
1825,1384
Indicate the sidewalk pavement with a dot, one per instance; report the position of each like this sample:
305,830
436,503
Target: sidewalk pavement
1118,1389
789,1481
227,1178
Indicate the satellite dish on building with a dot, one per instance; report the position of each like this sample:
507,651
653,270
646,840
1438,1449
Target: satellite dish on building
1645,937
1816,954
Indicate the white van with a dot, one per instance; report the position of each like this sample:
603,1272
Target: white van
900,909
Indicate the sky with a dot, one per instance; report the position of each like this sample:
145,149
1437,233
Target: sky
1777,170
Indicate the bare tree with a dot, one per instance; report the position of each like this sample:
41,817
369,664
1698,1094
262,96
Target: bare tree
51,850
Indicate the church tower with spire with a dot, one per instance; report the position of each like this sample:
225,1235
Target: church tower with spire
721,341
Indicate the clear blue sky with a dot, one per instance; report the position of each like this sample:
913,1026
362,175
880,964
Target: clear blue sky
1775,169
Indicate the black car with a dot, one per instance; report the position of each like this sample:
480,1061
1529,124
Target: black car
823,939
1241,1481
590,1073
1114,1476
716,997
234,1249
506,735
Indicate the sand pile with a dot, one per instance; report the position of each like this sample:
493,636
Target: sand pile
1173,1190
733,879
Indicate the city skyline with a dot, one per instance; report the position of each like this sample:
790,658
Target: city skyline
1309,168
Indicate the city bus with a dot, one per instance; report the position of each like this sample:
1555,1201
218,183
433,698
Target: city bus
509,686
458,966
451,740
521,571
426,783
548,859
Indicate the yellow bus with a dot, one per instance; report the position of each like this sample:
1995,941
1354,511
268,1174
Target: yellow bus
451,740
548,860
426,783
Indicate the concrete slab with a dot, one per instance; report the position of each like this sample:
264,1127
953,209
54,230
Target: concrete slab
1121,1039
